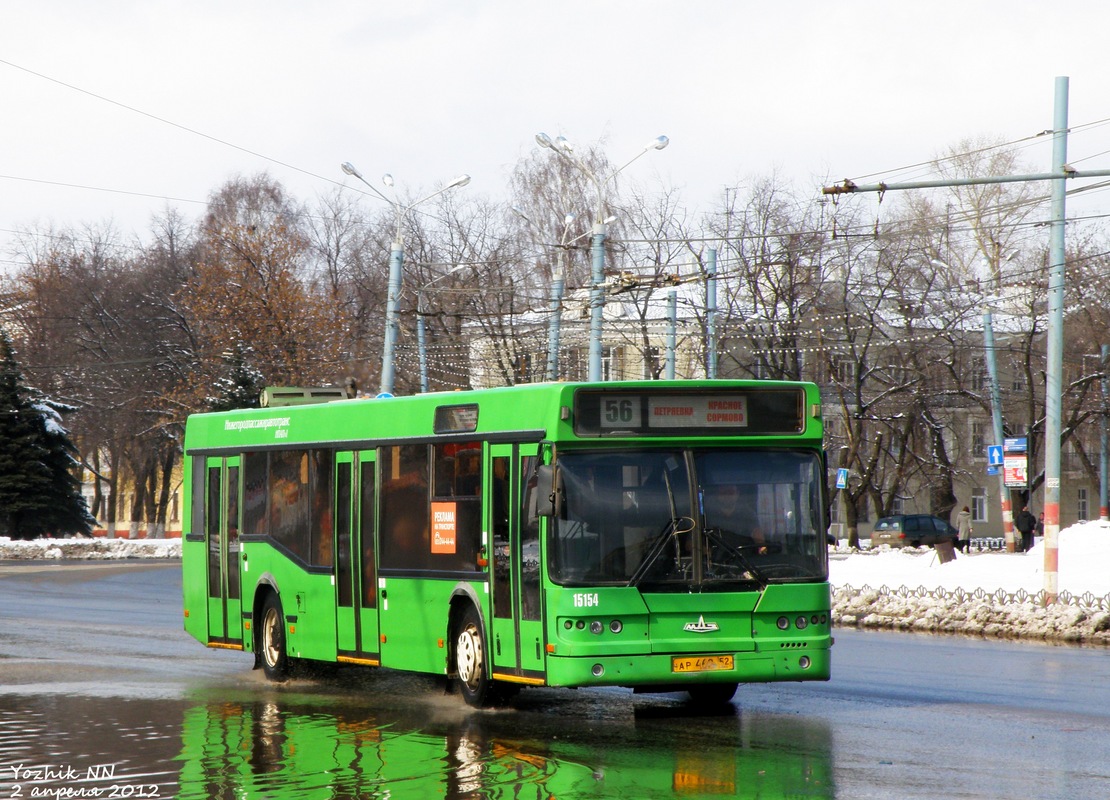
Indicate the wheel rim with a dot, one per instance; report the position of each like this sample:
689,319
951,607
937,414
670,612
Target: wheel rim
468,656
270,625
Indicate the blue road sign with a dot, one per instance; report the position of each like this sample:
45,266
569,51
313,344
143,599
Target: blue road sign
994,455
842,478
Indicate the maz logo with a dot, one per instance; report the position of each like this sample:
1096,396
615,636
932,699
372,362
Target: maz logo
701,626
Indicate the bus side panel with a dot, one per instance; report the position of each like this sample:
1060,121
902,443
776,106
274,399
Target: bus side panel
307,600
194,566
413,618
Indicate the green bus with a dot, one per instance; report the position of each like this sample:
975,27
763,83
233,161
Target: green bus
664,536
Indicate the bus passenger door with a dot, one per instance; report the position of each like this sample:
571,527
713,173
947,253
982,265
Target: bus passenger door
517,629
503,632
355,568
529,593
221,530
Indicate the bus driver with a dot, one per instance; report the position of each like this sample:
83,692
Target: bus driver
734,516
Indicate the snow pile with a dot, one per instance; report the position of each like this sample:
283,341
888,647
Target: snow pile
88,549
984,594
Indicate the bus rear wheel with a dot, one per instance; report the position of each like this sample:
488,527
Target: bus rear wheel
275,661
470,659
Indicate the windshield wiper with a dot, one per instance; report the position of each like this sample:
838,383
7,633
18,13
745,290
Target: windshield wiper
670,530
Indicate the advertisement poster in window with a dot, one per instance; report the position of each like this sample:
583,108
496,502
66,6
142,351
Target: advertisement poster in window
444,516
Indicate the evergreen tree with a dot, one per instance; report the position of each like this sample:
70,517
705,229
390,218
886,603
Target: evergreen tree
241,385
39,490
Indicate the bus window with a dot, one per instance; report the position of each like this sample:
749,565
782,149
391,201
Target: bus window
256,495
289,500
212,521
458,469
232,509
366,534
405,519
502,555
321,527
343,533
300,492
529,541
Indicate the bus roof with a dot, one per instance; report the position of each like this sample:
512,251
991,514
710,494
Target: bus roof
525,412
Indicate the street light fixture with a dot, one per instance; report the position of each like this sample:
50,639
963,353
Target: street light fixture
565,149
396,260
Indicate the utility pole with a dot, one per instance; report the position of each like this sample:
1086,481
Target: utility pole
1104,451
1055,364
672,333
711,315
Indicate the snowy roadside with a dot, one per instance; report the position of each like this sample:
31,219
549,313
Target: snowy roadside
990,594
87,549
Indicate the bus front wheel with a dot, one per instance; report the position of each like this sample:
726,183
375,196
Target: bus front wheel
275,662
470,659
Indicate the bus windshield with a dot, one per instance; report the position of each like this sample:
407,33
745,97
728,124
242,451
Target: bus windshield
676,520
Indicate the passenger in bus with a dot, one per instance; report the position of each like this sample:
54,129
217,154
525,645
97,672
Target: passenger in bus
469,480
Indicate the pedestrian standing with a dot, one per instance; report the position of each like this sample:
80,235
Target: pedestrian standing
1025,522
963,527
1039,530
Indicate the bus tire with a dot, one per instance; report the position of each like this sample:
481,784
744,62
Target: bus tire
271,640
470,659
711,695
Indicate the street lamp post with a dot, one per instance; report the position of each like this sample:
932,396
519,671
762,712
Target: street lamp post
565,149
396,261
420,336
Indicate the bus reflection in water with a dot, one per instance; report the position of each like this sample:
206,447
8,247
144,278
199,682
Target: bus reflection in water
290,750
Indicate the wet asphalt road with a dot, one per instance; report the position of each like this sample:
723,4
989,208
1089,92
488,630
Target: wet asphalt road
101,688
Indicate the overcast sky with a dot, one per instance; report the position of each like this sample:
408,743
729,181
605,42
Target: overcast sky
115,109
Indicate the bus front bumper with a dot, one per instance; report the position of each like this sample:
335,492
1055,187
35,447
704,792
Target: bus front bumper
679,670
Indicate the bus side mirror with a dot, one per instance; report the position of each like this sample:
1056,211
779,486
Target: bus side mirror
547,504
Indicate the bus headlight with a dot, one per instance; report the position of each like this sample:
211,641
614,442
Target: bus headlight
616,626
596,627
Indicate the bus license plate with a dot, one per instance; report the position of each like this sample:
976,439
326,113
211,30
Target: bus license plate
700,663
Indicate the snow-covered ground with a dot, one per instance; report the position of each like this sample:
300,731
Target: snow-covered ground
987,594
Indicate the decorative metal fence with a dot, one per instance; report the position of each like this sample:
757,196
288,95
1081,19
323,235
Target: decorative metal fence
1086,601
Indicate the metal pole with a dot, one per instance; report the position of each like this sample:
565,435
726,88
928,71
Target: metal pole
1055,366
1104,459
392,302
557,281
711,315
597,298
999,435
421,342
672,332
847,187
